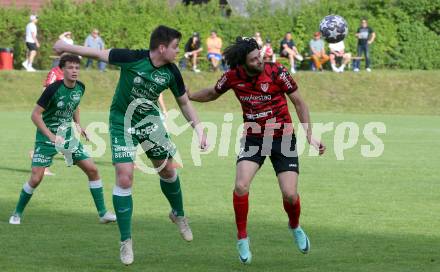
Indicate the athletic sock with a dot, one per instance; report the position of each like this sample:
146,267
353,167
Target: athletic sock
293,212
123,205
172,191
241,207
98,196
25,196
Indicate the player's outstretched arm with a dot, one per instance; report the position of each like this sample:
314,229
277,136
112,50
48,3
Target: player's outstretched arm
205,95
191,116
39,123
302,110
63,47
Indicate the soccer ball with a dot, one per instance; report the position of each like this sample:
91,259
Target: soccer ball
334,28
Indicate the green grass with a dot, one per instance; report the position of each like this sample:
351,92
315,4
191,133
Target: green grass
375,214
396,92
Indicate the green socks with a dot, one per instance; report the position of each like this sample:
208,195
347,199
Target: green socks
123,205
25,196
171,189
98,196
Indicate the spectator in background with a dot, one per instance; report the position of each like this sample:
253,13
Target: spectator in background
32,43
289,50
94,41
267,52
337,52
193,49
258,39
317,51
366,36
55,74
66,37
214,45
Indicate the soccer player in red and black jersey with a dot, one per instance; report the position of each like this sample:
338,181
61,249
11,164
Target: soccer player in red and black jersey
261,89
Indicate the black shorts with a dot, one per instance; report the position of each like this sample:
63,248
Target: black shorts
284,54
282,152
31,46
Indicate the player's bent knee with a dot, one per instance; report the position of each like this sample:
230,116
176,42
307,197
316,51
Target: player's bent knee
168,173
241,188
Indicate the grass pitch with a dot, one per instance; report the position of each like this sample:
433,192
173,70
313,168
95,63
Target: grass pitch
362,214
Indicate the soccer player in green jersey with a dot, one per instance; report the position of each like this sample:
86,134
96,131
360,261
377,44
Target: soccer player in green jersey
135,120
53,115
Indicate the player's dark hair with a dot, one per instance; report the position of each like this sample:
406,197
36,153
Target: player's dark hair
163,35
68,58
236,53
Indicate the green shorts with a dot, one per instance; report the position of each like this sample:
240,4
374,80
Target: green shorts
45,151
153,138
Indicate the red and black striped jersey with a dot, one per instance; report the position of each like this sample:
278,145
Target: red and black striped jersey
262,98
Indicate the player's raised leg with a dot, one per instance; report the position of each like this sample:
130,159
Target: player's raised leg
170,186
26,194
288,181
245,172
95,185
123,205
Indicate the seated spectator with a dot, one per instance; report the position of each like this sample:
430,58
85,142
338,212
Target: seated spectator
193,49
317,51
95,41
66,37
258,39
267,52
214,45
289,50
337,52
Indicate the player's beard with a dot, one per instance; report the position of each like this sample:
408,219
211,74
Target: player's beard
254,70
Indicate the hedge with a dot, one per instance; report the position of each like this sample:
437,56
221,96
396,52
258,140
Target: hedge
407,32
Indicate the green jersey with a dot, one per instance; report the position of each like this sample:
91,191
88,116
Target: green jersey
140,84
59,103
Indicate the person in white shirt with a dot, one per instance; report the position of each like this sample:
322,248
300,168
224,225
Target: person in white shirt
66,37
337,51
32,43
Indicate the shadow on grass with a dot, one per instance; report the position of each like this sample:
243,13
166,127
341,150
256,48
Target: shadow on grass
55,240
13,169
